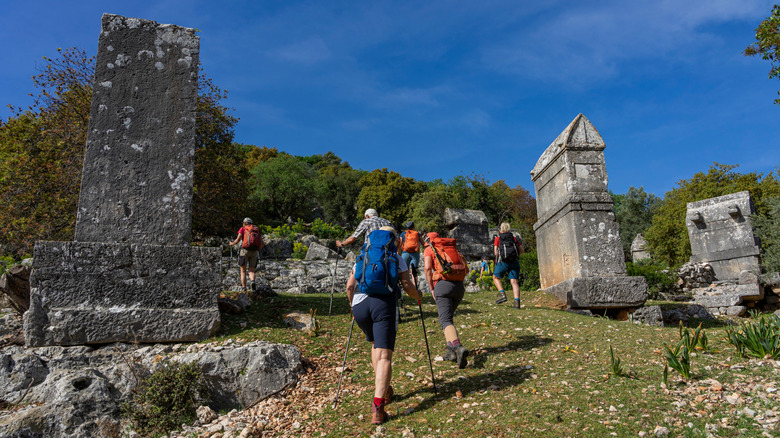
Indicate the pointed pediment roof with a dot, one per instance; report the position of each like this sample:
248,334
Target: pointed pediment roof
580,134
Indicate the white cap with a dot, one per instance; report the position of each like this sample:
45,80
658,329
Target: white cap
371,212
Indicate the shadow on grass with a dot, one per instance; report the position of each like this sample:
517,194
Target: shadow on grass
498,380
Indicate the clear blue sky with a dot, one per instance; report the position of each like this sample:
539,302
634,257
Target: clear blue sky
433,89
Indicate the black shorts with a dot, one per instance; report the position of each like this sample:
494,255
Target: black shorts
375,315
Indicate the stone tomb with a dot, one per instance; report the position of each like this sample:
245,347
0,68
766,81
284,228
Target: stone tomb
131,275
722,236
639,249
470,228
581,259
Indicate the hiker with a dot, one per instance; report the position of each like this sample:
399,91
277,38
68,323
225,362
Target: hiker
371,222
251,244
447,289
484,268
507,250
410,248
374,309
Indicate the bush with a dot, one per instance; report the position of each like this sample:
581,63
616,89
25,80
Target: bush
299,250
166,399
528,275
758,339
659,278
767,228
5,263
318,228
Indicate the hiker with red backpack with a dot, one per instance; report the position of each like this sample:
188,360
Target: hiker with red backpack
251,244
410,248
507,250
372,292
445,270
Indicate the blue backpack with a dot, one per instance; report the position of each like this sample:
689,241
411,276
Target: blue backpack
376,268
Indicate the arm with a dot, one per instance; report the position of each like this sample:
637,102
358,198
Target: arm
349,241
237,239
406,283
351,283
429,273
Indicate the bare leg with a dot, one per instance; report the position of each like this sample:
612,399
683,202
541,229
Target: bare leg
515,288
497,282
382,359
243,276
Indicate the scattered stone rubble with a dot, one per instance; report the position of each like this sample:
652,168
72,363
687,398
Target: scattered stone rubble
694,275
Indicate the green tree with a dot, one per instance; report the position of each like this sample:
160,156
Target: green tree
668,236
41,155
768,44
767,228
338,189
427,207
634,214
221,171
284,187
389,193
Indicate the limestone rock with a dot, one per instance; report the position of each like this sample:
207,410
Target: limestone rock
205,415
276,249
301,321
320,252
651,315
15,284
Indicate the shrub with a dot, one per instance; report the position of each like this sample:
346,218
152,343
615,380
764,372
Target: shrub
166,399
659,278
324,230
767,228
758,339
299,250
5,263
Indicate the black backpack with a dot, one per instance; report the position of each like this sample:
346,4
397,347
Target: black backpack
507,247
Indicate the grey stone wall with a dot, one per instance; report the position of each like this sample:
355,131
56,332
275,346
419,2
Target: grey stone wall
581,258
470,228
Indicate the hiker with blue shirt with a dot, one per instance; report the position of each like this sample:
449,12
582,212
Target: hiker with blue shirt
373,300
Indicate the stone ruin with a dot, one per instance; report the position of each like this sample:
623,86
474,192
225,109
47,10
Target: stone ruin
131,274
581,259
470,228
639,249
722,237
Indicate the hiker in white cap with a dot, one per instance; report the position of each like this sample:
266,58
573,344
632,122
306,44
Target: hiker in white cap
371,222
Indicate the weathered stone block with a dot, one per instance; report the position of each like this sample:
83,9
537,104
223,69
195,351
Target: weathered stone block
601,292
136,183
470,228
578,243
721,234
93,293
639,249
320,252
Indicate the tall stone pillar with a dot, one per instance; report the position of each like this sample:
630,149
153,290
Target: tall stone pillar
581,257
131,274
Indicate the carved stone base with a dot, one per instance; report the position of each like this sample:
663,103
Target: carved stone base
601,292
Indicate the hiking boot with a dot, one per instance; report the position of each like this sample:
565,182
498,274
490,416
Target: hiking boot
462,356
378,414
389,394
253,286
450,354
516,304
501,298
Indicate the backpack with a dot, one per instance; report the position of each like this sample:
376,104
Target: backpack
412,241
376,268
252,238
455,268
507,247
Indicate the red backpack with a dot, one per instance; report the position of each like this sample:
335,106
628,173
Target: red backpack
454,267
252,238
411,241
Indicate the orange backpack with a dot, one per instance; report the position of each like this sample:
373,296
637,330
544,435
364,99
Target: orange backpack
411,241
455,267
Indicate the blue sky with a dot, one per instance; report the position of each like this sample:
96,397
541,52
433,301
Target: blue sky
439,88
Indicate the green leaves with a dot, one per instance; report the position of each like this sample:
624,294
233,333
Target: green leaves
760,339
768,43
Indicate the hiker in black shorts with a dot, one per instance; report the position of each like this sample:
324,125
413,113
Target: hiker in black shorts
375,315
248,256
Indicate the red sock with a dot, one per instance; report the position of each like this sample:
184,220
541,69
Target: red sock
378,401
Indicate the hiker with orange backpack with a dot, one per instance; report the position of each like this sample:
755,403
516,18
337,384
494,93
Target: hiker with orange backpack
251,244
445,270
410,248
507,250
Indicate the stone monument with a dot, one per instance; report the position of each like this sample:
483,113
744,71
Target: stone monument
131,274
581,259
470,228
639,249
722,236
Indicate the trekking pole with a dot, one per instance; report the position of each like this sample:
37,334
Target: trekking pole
333,280
344,364
427,348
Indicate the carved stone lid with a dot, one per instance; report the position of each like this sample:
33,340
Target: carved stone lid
580,134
